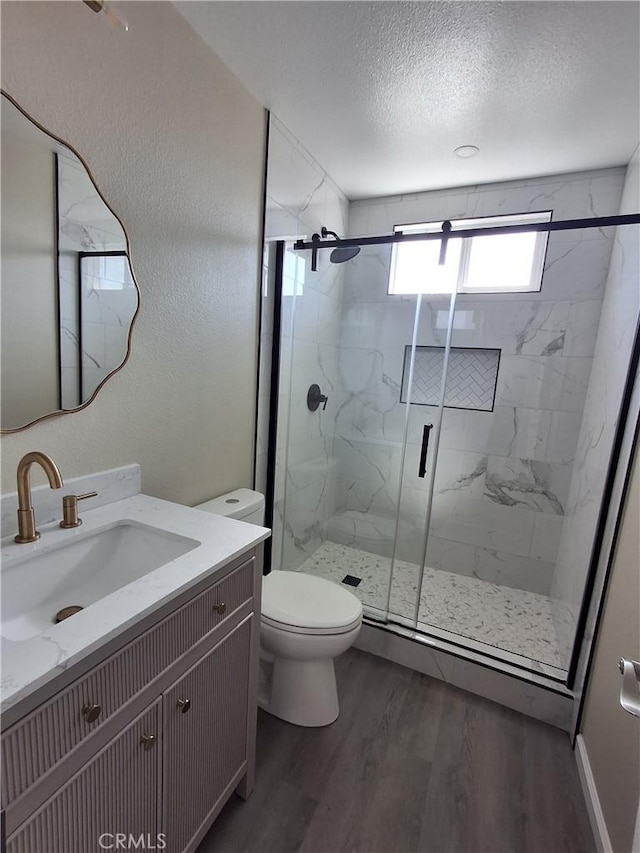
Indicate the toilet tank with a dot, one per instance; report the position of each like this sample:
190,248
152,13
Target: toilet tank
243,504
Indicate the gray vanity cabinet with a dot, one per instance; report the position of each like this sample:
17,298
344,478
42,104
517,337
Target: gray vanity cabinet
204,737
151,738
114,793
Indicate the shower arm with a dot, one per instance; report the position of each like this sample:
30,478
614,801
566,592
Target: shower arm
315,245
324,232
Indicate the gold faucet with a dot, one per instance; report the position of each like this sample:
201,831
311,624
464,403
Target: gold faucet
26,519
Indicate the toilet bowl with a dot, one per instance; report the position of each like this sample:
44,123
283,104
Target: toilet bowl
306,622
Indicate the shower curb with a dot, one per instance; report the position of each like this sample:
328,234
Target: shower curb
530,694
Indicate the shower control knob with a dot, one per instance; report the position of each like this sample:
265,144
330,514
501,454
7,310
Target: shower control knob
315,397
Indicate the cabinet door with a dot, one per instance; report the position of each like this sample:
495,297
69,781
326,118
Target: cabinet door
204,736
115,793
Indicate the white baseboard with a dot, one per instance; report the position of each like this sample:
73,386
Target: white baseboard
596,816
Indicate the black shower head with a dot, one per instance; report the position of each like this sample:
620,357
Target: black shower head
339,255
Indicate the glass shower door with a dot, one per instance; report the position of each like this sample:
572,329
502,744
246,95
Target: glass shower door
422,393
439,481
495,526
342,463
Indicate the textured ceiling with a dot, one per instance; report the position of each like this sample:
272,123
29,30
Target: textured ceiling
381,93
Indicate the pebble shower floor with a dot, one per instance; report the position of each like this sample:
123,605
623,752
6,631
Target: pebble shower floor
513,620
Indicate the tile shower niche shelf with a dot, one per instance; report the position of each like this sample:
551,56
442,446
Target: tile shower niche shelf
471,378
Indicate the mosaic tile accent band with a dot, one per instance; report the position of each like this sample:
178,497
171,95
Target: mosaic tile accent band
471,378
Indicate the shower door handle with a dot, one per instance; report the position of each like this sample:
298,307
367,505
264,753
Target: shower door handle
422,470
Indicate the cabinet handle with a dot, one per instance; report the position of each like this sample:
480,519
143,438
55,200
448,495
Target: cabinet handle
220,608
184,705
148,741
630,690
91,712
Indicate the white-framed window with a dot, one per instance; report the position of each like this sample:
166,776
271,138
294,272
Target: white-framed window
105,272
487,263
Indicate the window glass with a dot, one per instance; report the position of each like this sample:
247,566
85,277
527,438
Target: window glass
500,262
106,272
294,273
491,263
415,268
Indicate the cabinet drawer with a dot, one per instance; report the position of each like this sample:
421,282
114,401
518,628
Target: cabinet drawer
42,739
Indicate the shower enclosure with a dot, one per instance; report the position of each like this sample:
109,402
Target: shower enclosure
431,468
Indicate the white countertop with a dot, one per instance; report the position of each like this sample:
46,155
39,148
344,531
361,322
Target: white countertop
29,664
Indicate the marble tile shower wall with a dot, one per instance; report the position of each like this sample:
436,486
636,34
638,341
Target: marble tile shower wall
502,477
620,312
85,225
301,198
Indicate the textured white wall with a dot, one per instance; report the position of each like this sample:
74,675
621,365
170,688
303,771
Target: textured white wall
176,145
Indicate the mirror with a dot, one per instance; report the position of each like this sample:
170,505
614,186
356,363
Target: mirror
68,298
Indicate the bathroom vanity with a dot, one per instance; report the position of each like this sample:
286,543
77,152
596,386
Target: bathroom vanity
135,716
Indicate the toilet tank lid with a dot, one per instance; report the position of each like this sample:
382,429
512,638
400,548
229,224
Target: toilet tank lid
237,504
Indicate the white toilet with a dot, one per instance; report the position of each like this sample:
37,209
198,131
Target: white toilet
306,622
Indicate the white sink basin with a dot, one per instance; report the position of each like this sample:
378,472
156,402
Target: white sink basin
81,572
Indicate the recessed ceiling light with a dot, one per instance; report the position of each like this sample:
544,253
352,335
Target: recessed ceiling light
466,151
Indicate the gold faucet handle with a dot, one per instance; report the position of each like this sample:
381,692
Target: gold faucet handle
70,509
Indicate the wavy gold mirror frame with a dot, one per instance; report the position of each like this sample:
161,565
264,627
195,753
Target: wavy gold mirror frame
71,264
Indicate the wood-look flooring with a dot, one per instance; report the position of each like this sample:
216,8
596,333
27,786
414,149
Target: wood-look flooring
412,765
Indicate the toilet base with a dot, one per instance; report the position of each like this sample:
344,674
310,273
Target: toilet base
302,692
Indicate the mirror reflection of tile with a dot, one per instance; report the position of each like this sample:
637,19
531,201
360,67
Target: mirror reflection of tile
471,377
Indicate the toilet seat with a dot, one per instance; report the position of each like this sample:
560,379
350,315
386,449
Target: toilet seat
306,604
295,629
